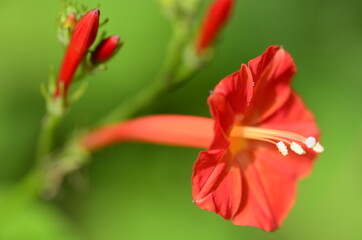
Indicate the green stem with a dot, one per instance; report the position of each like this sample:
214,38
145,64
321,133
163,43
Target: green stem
46,136
134,105
165,82
173,59
172,75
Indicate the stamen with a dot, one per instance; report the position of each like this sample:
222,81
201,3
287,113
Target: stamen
318,148
297,148
282,148
263,137
276,133
310,142
278,137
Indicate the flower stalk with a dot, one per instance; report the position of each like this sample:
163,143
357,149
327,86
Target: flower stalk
49,125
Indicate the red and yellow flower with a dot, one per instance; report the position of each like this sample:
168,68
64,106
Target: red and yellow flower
248,174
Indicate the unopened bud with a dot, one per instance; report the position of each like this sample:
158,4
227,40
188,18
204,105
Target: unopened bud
83,36
106,49
214,20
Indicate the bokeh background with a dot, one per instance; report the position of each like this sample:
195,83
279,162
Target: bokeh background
139,191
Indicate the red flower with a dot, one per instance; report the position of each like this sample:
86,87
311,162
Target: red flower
242,176
106,49
213,22
83,36
247,174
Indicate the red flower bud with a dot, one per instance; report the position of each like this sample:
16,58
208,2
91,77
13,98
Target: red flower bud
214,20
83,36
71,21
106,49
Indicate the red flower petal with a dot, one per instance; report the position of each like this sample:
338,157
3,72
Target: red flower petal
253,188
237,88
272,73
293,116
222,112
260,63
217,183
231,97
268,192
297,165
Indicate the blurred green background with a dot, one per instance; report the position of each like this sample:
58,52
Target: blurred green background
139,191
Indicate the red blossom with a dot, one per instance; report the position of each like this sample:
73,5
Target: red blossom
248,174
214,20
83,36
243,176
106,49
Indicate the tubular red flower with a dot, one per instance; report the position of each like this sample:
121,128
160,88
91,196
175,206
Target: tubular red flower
106,49
175,130
83,36
248,174
214,20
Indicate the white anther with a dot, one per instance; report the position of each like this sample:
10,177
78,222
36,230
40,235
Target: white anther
297,148
318,148
282,148
310,142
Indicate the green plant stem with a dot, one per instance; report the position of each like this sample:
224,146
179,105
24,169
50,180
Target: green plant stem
46,136
165,82
134,105
173,73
